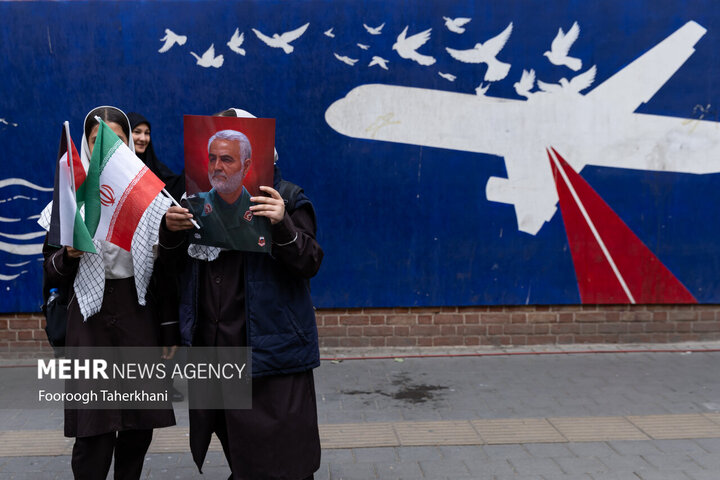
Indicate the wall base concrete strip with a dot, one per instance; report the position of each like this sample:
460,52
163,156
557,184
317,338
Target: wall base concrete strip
29,443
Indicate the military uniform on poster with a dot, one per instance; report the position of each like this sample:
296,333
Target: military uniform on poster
233,227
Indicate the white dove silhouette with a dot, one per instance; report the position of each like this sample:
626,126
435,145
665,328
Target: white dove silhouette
329,33
447,76
526,83
364,47
379,61
345,59
575,86
374,31
282,41
208,58
170,39
236,41
485,53
481,89
456,24
406,46
558,53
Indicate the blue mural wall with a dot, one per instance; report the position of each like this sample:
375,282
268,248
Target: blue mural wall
402,222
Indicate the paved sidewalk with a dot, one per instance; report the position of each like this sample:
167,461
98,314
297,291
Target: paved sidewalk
555,413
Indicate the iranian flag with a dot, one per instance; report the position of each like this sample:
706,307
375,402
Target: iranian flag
117,191
66,224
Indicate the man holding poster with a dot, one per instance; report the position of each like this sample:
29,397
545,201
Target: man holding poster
223,213
232,298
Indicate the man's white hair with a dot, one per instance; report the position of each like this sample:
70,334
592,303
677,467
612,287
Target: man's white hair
234,136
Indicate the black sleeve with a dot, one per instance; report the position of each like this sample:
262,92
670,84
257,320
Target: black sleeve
59,268
294,242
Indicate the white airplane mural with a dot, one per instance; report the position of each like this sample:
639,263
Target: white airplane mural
599,127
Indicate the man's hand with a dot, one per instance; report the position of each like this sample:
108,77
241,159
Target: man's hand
272,207
74,253
178,218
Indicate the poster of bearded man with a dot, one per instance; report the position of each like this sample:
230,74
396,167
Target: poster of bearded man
226,161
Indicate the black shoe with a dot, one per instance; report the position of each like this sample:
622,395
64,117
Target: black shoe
177,395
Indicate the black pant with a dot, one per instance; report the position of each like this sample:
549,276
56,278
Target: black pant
91,456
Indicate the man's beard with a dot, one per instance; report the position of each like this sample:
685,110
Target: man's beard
224,184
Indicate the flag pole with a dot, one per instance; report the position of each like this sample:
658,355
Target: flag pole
68,141
178,205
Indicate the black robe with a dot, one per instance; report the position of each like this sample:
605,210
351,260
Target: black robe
121,322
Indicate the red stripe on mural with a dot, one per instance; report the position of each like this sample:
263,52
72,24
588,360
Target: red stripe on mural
644,275
134,201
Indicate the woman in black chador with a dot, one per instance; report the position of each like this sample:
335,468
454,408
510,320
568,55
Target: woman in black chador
110,306
140,128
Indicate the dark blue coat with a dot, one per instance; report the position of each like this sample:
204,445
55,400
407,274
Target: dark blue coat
280,318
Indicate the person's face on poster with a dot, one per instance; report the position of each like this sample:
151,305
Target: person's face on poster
227,168
227,159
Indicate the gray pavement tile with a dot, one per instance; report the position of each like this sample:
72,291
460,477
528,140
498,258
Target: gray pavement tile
375,454
669,461
163,461
337,455
323,472
182,473
663,475
634,447
444,468
592,449
461,452
23,464
457,414
344,416
546,450
384,415
419,415
506,451
574,476
575,465
415,454
711,445
616,475
32,476
518,477
706,475
215,459
388,470
209,473
352,471
536,466
38,467
493,466
479,476
679,446
624,462
710,461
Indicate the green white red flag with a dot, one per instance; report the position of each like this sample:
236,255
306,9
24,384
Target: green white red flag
117,191
66,224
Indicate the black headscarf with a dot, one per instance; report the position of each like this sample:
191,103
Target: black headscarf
174,184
